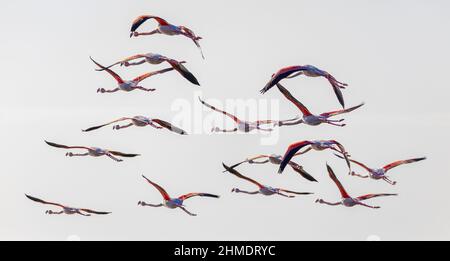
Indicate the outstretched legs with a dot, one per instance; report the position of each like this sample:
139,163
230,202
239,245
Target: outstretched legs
389,181
102,90
321,201
142,203
114,158
284,195
49,212
70,154
118,127
189,213
217,129
365,205
246,192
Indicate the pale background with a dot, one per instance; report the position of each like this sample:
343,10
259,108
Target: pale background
393,54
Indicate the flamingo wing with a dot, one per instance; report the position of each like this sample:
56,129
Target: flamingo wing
239,175
354,161
163,192
95,212
341,188
295,192
170,127
142,19
401,162
369,196
280,75
117,153
290,152
299,169
42,201
64,146
134,57
106,124
180,68
146,75
111,72
215,109
190,195
292,99
334,113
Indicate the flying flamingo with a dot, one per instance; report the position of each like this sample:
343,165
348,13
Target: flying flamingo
153,58
140,121
173,202
346,199
317,145
129,86
380,173
244,126
276,160
307,70
311,119
264,190
93,151
166,28
67,210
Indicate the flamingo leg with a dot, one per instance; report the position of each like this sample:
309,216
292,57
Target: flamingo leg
70,154
216,129
294,75
126,64
50,212
80,213
284,195
335,124
258,162
156,31
102,90
142,203
245,192
118,127
263,129
359,175
189,213
365,205
155,126
114,158
321,201
389,181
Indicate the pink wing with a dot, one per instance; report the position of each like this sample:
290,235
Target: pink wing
401,162
344,193
369,196
190,195
164,194
292,99
113,74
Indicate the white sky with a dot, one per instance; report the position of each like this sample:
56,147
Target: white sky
393,54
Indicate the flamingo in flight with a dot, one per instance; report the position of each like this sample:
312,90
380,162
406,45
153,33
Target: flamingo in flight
262,189
93,151
67,210
311,119
173,202
140,121
166,28
153,58
128,86
276,160
347,200
307,70
318,145
380,173
245,126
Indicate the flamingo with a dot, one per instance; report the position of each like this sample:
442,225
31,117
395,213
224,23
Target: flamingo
244,126
67,210
166,28
317,145
93,151
347,200
307,70
264,190
129,86
276,160
153,58
140,121
380,173
173,202
311,119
